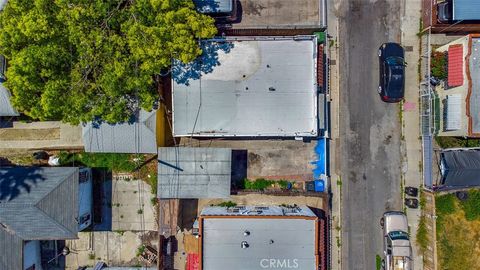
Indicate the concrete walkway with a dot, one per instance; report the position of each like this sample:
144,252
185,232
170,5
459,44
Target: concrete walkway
412,150
41,135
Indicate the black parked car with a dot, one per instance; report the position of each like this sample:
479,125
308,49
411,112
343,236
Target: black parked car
392,72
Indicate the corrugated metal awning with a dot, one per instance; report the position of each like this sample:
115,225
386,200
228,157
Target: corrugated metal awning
454,111
455,65
466,10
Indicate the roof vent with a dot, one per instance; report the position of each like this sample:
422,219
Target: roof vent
245,244
246,233
271,88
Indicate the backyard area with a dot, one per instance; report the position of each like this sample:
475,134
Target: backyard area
458,230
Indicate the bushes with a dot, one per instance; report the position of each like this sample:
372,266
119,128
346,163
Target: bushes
422,235
439,65
454,142
262,184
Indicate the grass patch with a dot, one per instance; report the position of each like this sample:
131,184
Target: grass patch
113,161
140,250
471,206
422,235
444,206
458,231
378,262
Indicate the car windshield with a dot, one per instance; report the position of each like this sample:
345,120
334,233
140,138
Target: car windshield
398,235
395,61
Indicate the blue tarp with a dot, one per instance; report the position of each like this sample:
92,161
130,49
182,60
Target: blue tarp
321,162
319,186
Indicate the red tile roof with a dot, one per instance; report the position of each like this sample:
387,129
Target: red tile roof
455,65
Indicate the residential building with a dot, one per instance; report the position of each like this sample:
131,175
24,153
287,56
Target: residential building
259,237
451,16
459,168
193,172
40,204
459,96
249,87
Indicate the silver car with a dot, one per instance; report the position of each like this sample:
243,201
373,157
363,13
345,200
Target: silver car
396,242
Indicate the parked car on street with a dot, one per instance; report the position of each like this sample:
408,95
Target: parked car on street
391,86
396,241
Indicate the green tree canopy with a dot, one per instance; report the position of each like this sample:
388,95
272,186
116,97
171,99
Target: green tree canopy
80,60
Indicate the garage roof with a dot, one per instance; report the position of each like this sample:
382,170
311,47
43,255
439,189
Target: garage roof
460,168
192,173
136,137
248,86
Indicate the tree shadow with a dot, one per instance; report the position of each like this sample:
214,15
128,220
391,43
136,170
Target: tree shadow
17,180
182,73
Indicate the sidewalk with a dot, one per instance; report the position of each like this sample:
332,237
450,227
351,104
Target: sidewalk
335,180
411,148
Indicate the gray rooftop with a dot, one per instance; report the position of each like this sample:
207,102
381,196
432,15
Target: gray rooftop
248,87
466,10
6,108
36,203
189,172
136,137
281,14
289,240
460,168
474,66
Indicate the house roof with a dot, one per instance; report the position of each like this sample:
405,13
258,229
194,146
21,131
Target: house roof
36,203
460,168
6,108
288,240
466,10
190,172
455,65
248,86
136,137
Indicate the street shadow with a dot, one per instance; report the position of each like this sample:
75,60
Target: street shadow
188,213
102,199
17,180
183,73
239,168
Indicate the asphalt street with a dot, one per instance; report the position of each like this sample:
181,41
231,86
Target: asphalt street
370,129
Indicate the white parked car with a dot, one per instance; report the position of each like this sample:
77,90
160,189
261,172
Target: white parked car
396,242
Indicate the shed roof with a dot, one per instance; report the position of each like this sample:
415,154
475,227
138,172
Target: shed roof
136,137
460,168
288,241
466,10
36,203
189,172
248,86
455,65
6,108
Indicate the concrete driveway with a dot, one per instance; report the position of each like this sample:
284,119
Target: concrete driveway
369,152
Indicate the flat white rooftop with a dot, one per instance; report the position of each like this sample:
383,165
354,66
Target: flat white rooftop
248,86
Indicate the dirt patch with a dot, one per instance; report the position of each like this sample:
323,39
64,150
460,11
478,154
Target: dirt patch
30,134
